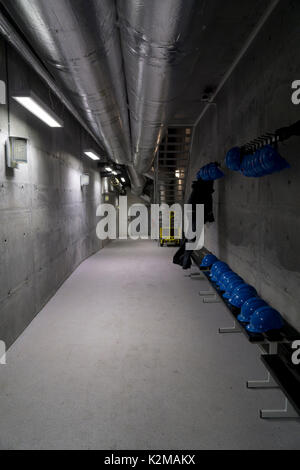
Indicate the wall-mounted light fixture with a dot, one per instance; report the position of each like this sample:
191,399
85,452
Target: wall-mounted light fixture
84,179
91,154
37,107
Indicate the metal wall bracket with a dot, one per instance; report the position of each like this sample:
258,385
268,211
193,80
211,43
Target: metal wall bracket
257,384
233,329
197,275
287,413
211,300
204,293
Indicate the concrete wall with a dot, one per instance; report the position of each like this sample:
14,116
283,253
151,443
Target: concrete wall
258,220
47,222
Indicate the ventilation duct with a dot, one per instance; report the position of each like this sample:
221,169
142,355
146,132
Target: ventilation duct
79,43
159,42
137,181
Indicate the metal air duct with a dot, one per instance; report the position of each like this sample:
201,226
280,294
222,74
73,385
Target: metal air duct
79,43
159,41
137,181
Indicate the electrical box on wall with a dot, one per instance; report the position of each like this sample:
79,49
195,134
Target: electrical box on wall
84,180
16,151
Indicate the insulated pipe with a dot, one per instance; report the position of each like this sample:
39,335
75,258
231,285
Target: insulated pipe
14,39
80,45
137,181
159,43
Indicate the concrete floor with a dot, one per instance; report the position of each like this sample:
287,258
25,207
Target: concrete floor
125,356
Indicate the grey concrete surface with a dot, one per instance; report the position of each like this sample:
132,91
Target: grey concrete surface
258,219
125,356
47,222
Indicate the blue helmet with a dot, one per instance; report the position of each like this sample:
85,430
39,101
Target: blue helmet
223,268
241,294
234,283
227,278
249,307
215,267
265,319
208,261
233,159
210,172
271,161
215,173
224,276
264,162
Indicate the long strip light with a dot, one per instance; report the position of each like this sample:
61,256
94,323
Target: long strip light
91,154
37,107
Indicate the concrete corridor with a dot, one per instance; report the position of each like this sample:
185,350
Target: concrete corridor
125,356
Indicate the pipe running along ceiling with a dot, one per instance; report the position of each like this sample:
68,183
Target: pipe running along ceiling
81,48
159,43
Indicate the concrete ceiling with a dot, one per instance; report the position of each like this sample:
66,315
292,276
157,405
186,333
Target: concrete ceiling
226,27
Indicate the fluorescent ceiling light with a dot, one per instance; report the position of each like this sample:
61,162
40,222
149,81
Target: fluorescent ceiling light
123,180
91,154
108,169
114,173
36,106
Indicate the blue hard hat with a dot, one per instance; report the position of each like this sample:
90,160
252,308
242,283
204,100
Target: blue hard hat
214,172
256,169
227,278
215,267
264,162
208,261
223,268
210,172
224,276
272,161
265,319
249,307
246,164
233,159
231,286
241,294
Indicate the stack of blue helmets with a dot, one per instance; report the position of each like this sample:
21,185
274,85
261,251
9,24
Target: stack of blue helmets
208,261
230,285
265,319
210,172
234,159
265,161
249,307
260,317
241,294
218,269
226,278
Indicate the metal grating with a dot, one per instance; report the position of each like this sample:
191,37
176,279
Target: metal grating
172,164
